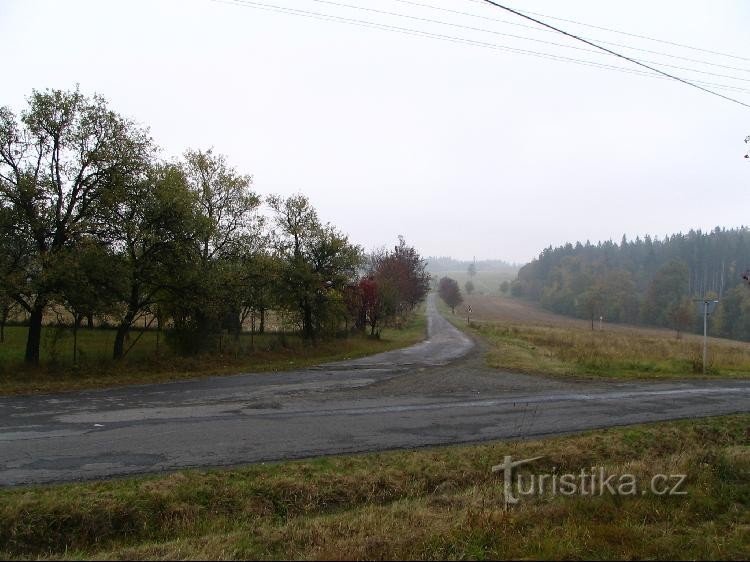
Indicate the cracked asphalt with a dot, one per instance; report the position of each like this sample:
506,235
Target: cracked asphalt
437,392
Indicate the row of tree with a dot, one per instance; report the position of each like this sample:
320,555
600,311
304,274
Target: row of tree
93,221
645,280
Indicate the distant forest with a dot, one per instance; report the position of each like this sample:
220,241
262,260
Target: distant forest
442,264
647,280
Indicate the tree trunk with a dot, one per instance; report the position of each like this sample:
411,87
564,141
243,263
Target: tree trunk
75,338
34,339
122,332
252,330
3,320
307,327
262,326
89,321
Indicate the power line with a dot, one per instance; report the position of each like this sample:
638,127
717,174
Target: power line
523,38
624,57
536,28
630,34
453,39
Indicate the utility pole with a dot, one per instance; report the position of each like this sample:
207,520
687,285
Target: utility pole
706,312
705,334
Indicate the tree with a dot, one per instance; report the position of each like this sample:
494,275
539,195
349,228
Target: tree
401,273
334,264
681,315
259,280
450,293
86,280
592,301
153,229
372,302
469,286
7,302
6,308
504,287
317,263
226,204
13,252
472,269
229,228
620,303
732,316
56,164
665,292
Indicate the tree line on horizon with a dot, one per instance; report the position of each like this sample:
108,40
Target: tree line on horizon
647,280
92,220
442,264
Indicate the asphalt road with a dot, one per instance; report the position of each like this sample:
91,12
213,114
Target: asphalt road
437,392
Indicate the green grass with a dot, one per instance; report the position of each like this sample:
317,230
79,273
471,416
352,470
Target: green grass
431,503
95,369
57,344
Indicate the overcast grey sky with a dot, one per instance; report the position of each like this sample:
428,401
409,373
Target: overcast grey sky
466,151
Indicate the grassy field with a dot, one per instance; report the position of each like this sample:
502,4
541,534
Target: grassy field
95,369
524,339
485,282
425,504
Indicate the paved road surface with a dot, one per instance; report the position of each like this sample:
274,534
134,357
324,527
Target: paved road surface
436,392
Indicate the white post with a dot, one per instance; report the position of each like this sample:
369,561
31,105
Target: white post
705,333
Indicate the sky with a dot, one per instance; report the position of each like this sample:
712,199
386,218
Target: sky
466,150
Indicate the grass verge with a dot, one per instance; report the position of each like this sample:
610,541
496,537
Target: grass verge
431,503
269,352
623,353
620,355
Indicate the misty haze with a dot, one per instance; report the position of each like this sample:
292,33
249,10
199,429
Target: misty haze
359,279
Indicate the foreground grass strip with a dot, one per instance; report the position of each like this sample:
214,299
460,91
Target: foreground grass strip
431,503
270,353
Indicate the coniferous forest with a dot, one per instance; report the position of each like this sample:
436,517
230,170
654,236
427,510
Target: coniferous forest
648,280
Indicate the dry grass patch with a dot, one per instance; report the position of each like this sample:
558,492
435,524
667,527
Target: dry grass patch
621,354
524,338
